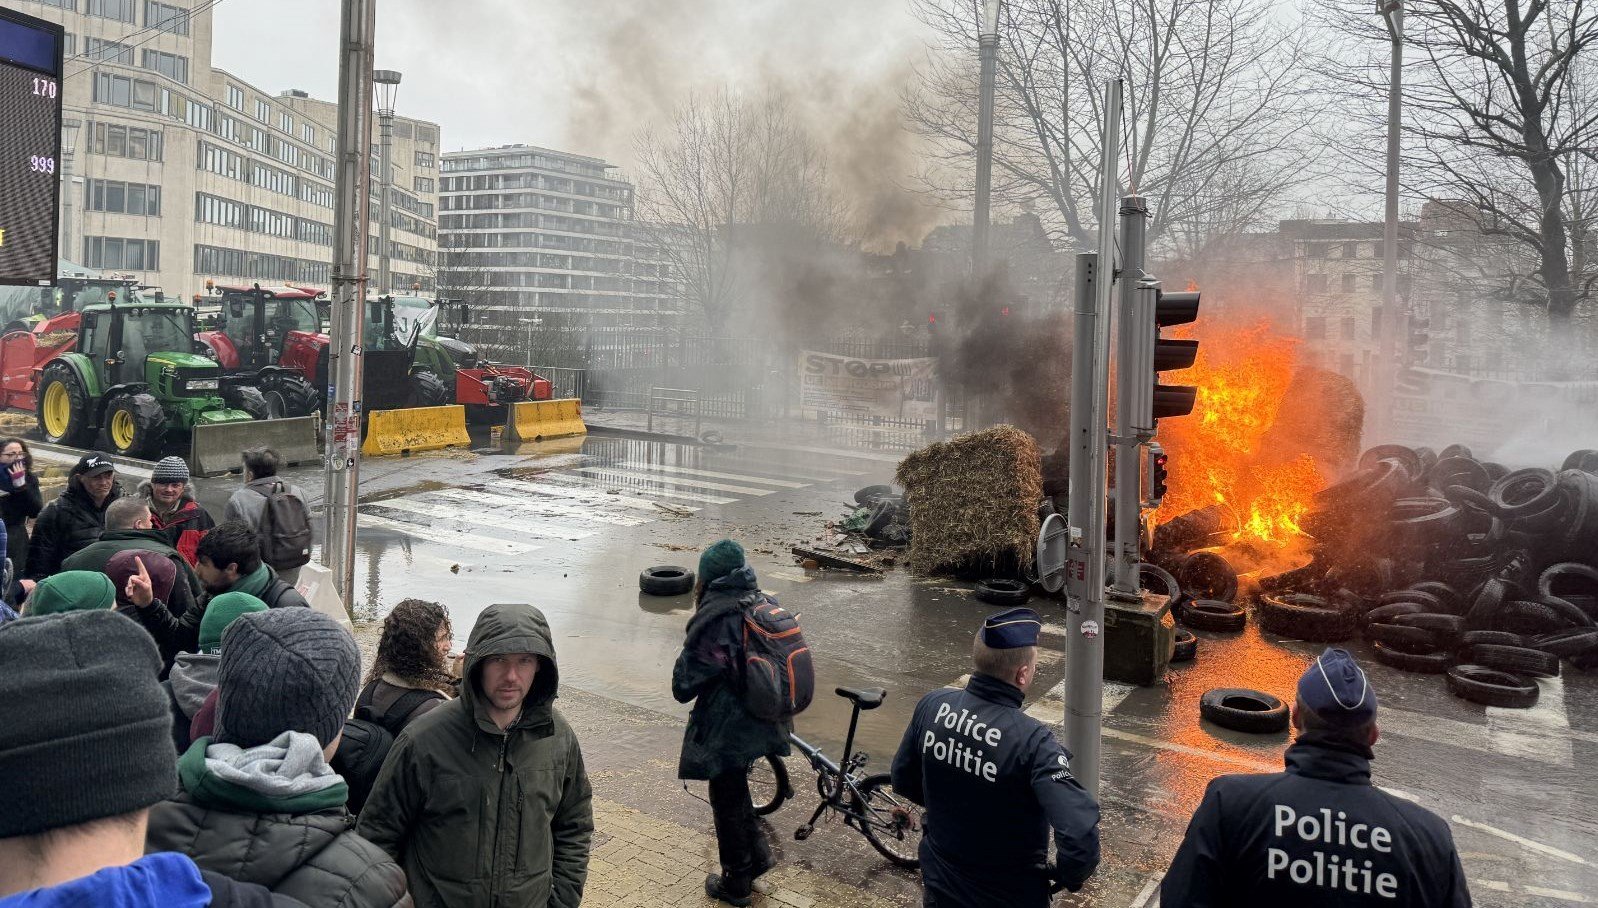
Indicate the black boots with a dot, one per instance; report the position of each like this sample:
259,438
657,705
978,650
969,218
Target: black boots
728,890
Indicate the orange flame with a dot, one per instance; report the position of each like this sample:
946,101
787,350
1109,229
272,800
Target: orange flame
1223,453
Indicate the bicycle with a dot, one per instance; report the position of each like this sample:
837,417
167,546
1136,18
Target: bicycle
889,821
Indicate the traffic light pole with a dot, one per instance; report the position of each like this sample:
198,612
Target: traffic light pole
1393,12
1090,375
1133,373
359,25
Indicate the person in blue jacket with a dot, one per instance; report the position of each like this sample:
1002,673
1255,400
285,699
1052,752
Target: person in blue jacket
86,740
994,782
1319,834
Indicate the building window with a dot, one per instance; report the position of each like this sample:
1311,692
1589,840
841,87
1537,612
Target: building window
209,209
1315,283
1350,250
118,141
1348,327
1350,283
100,50
173,20
1345,364
118,10
285,122
173,66
1403,285
308,134
69,5
263,111
219,161
1376,282
427,135
1317,250
235,98
121,254
424,159
423,184
117,197
1314,327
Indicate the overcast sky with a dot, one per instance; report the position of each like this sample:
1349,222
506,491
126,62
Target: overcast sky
576,75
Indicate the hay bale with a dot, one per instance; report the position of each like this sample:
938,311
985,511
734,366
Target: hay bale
973,501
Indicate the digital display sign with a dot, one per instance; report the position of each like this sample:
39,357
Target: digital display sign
30,148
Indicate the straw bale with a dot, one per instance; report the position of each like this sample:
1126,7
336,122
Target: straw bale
973,501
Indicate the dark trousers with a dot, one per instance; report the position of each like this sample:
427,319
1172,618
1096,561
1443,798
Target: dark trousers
743,850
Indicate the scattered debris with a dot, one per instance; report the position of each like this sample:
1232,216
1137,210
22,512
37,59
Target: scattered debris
826,559
454,569
671,509
674,547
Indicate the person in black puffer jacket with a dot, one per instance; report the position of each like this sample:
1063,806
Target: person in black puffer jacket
74,520
20,500
723,738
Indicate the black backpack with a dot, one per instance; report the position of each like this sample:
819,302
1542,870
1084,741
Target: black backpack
285,529
778,679
368,738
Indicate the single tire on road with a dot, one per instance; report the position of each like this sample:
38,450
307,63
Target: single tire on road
1490,687
666,580
1241,709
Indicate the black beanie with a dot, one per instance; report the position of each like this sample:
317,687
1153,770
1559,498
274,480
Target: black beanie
285,669
85,729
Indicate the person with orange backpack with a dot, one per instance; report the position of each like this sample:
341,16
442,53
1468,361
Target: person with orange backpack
733,722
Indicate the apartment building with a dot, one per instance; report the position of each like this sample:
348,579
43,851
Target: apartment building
180,172
532,233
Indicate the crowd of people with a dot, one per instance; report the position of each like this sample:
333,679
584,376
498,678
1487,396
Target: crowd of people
181,728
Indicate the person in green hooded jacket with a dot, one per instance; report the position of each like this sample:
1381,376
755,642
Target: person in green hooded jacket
484,800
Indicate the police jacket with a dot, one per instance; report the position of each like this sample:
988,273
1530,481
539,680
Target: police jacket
1319,834
993,781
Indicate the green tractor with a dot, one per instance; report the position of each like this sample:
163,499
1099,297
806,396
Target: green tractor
122,375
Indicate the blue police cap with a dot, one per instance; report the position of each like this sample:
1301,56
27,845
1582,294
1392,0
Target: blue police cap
1335,689
1015,628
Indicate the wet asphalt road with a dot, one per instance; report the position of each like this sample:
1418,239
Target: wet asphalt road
568,526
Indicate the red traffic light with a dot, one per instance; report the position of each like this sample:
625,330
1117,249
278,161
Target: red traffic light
1005,311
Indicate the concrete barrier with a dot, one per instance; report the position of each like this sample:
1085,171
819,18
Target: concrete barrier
537,420
416,429
214,448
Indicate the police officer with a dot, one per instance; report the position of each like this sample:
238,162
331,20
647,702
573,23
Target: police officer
1318,834
993,781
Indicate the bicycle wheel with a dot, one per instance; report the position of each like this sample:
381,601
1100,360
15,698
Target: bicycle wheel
893,823
768,784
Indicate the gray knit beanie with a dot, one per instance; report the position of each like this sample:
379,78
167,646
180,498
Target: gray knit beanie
285,669
85,729
170,469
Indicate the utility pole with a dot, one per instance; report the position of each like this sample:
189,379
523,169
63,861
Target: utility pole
351,227
386,81
1090,378
1132,372
988,57
1392,12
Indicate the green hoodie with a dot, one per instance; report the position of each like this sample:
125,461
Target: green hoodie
484,818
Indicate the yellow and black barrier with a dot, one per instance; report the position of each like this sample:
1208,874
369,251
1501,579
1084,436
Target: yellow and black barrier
537,420
215,446
416,429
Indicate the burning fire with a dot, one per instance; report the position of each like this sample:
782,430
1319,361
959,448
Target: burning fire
1226,453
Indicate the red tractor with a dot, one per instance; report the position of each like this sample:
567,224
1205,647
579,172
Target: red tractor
271,338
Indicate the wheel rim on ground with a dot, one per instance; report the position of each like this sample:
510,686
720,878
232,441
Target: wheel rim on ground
57,409
122,430
764,785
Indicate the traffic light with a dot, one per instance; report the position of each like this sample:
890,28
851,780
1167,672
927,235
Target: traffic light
1156,480
1151,354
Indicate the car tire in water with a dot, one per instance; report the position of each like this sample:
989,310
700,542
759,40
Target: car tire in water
1003,592
666,580
1241,709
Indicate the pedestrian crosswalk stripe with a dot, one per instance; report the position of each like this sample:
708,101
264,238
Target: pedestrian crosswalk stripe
445,537
466,516
689,483
740,477
579,490
543,505
658,487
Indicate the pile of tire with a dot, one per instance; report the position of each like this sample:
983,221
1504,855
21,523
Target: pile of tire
1450,565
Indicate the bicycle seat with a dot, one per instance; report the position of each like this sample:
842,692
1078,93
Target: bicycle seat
867,698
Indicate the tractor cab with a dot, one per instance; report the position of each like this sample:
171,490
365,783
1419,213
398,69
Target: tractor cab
135,343
256,324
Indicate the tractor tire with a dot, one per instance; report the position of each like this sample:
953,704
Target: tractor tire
63,408
135,426
427,389
249,399
288,395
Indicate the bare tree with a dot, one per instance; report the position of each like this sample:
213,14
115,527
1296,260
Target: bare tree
724,164
1499,116
1216,104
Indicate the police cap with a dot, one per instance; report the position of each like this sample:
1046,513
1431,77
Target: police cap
1015,628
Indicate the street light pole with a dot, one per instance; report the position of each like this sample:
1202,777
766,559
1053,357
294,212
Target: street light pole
988,57
386,81
351,228
1392,12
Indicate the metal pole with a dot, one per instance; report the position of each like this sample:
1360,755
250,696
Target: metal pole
69,147
1124,556
1084,641
385,121
1393,12
988,54
351,227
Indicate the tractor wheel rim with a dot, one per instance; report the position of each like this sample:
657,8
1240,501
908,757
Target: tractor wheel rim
57,409
122,429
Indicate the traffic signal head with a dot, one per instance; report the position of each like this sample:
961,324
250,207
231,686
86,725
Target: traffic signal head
1157,475
1171,354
